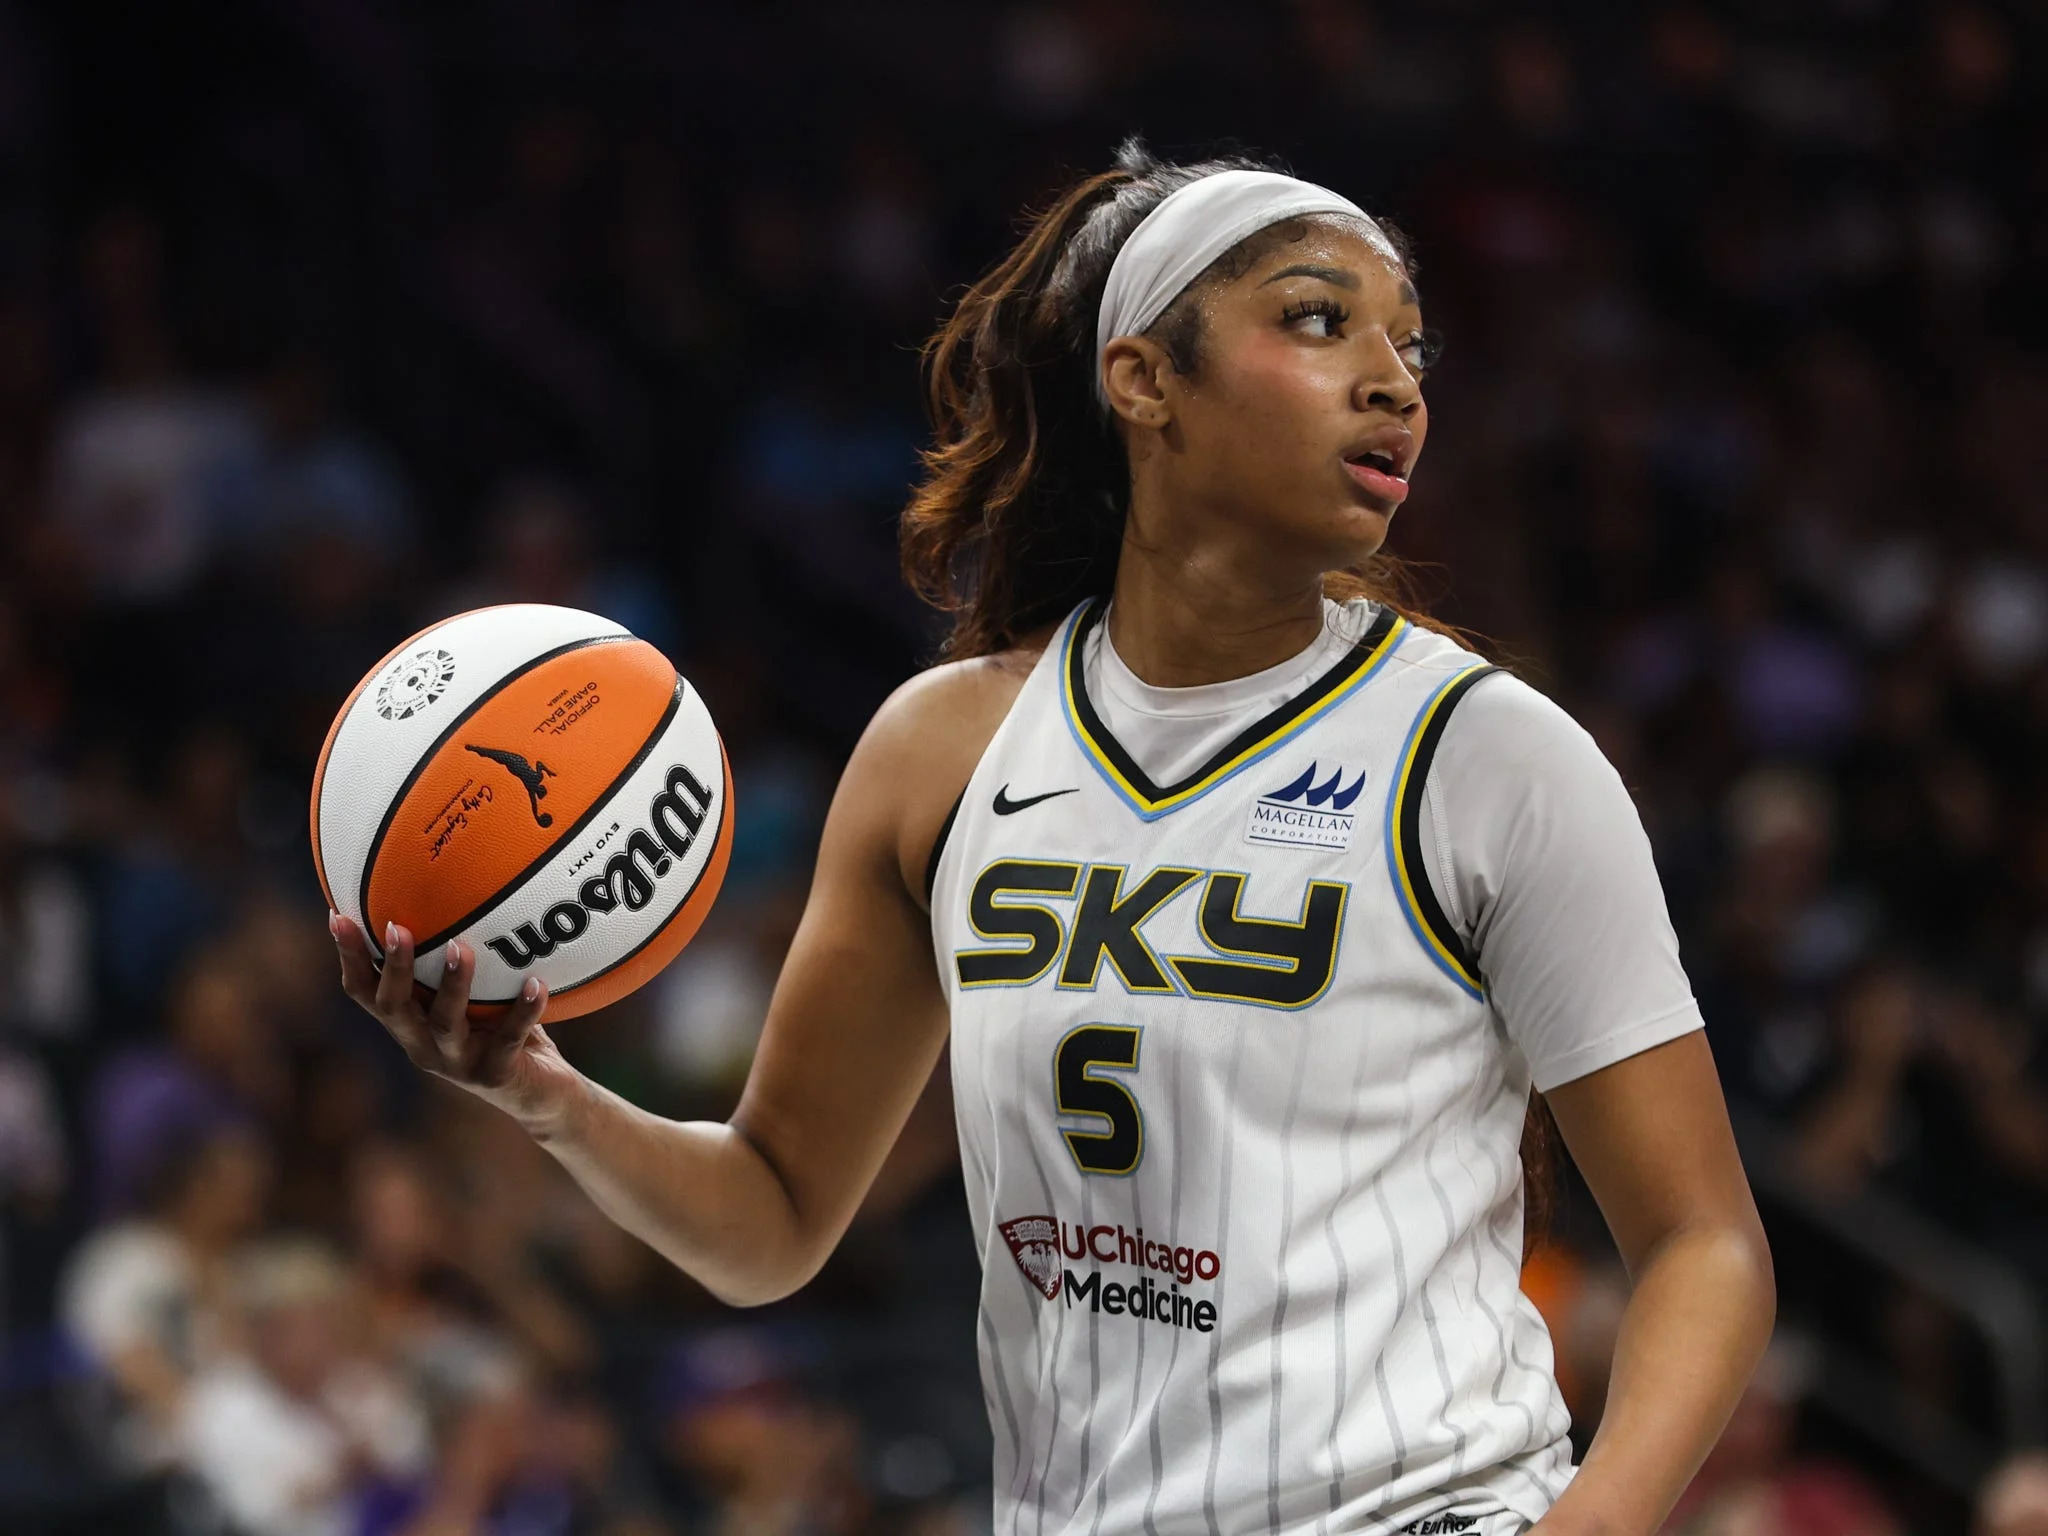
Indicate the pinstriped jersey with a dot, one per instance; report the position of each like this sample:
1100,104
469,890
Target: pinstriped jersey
1240,1126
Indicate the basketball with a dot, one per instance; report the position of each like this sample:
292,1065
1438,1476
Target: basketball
536,782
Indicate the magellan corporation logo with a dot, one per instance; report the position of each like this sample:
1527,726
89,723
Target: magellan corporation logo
1311,812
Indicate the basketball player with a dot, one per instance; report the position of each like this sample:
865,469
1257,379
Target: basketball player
1253,909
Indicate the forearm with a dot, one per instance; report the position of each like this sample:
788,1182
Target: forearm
696,1192
1696,1323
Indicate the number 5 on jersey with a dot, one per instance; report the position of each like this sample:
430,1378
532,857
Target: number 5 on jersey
1115,1141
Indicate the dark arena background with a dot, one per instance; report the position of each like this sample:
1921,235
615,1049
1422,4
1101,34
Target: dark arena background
320,319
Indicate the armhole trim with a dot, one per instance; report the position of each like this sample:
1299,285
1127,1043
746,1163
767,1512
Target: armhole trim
1406,861
931,865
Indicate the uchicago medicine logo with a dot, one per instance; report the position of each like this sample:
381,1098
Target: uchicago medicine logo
1040,1244
1035,1245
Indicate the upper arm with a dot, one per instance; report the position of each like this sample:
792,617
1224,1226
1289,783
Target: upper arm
858,1018
1651,1136
1552,876
1550,873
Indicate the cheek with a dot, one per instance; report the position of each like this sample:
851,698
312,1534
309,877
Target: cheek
1269,404
1276,380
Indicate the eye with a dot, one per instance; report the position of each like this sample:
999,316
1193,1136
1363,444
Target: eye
1420,351
1325,314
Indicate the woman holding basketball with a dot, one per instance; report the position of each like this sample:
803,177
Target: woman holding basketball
1253,909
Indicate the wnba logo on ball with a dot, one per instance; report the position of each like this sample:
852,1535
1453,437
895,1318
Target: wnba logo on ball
414,683
628,877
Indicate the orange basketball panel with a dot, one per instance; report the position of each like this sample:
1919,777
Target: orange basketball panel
512,780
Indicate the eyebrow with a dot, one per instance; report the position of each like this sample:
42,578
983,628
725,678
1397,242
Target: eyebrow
1342,277
1338,275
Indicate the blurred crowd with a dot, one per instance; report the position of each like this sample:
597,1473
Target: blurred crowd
321,320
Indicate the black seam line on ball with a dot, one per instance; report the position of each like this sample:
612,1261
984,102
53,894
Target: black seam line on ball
433,751
662,927
601,803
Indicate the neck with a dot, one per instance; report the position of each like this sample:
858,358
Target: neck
1191,613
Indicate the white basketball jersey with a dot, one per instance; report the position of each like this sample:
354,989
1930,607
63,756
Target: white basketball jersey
1239,1126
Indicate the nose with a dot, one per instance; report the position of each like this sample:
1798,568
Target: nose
1384,382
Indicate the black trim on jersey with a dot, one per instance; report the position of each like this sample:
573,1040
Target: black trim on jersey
931,865
1408,825
1098,733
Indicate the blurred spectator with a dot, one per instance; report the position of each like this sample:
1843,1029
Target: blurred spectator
138,465
426,1311
2014,1501
149,1298
539,543
516,1465
180,853
314,487
773,1461
1754,1485
1581,1304
34,1164
46,924
220,1066
1785,927
286,1437
34,1176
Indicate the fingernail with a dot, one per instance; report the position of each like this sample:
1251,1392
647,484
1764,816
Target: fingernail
333,924
532,988
391,935
454,956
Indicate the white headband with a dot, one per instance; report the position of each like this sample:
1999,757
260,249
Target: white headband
1190,228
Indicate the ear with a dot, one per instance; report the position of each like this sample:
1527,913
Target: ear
1134,370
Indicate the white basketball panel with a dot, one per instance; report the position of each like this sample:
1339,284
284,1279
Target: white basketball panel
389,727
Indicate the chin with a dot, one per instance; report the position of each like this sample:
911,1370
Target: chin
1356,533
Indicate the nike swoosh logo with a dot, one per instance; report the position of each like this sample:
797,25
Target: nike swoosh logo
1005,806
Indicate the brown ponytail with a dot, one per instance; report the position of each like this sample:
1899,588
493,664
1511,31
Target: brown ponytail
1020,512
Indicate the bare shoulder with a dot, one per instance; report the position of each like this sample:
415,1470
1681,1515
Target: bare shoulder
955,700
921,748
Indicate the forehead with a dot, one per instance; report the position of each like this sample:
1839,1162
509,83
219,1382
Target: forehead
1349,252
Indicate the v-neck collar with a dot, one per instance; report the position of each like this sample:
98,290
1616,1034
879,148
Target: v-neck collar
1264,736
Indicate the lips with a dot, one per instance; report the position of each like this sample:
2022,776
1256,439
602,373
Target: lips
1379,461
1388,487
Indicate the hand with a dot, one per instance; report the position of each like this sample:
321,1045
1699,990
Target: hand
508,1061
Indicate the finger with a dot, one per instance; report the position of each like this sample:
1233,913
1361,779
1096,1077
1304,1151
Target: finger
448,1014
358,970
394,987
361,981
507,1036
